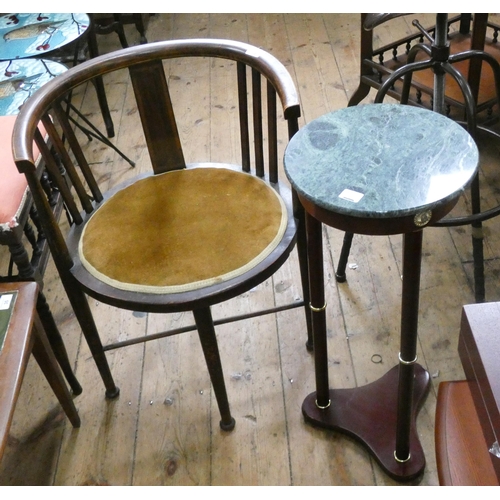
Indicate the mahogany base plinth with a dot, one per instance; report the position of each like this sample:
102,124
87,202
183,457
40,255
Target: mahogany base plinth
369,414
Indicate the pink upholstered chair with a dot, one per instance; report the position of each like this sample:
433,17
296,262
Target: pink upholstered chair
13,187
17,215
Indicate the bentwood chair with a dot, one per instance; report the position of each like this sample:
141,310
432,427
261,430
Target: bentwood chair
183,236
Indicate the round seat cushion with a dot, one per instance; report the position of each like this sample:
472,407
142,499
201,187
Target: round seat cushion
183,230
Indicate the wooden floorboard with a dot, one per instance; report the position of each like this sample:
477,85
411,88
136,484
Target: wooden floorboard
164,427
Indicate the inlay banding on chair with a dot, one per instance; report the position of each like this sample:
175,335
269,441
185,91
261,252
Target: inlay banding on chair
183,230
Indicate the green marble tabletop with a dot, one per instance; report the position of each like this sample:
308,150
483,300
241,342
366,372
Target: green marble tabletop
381,160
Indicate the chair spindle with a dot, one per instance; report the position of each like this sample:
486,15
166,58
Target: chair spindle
257,123
243,108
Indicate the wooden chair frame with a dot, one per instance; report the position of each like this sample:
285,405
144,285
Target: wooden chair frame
153,100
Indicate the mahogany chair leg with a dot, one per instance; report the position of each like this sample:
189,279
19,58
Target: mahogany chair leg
99,86
139,25
57,343
22,261
120,31
84,316
48,364
208,339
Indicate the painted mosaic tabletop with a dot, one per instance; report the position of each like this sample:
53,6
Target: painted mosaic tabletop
381,160
35,35
20,78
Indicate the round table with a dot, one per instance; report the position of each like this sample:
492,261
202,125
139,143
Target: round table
20,78
36,35
377,169
41,35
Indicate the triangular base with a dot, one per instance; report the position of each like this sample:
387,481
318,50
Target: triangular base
369,414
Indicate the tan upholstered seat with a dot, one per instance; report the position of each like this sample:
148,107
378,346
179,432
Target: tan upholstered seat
183,230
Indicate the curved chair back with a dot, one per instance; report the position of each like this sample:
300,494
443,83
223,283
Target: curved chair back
145,64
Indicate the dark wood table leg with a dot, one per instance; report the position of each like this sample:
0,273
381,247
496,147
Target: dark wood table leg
99,84
405,450
318,309
380,415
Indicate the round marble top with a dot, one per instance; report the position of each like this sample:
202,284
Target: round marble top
35,35
380,161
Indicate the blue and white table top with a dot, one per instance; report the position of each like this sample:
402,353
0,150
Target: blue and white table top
20,78
35,35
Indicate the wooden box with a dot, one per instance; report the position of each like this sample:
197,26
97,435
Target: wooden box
479,349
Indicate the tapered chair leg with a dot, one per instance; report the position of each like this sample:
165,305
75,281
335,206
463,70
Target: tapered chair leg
57,343
48,364
208,339
119,30
86,321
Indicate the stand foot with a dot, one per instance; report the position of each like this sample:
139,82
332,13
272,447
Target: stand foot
228,427
369,415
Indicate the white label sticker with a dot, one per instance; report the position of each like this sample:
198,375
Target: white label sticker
5,301
350,195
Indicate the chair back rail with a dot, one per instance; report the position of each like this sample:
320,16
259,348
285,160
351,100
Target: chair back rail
243,110
68,166
257,122
263,62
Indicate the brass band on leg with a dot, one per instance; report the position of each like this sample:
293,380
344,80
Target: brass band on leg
317,309
401,461
402,361
323,407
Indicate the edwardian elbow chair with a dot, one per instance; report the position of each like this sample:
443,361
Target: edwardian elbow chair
184,236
